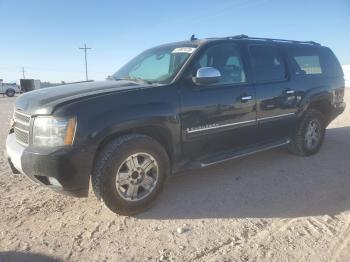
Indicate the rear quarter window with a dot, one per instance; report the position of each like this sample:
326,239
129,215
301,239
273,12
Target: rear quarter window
314,61
308,64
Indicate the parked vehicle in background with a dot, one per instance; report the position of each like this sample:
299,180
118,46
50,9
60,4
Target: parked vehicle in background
29,85
8,89
176,107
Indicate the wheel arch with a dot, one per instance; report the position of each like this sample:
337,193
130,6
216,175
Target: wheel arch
321,102
324,106
161,134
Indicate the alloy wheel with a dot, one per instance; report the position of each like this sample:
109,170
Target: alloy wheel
137,177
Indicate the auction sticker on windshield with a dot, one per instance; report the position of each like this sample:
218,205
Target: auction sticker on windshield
188,50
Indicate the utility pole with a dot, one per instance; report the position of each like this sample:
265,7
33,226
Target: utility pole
22,70
86,71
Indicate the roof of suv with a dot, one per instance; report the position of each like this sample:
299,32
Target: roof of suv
246,38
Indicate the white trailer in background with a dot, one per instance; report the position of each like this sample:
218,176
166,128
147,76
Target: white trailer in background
37,84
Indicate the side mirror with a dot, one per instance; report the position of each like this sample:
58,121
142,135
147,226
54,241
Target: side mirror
206,76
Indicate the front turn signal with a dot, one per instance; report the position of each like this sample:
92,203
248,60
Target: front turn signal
70,133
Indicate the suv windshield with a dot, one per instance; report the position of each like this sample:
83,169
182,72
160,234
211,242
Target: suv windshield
156,65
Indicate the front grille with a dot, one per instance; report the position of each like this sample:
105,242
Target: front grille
21,127
22,117
22,137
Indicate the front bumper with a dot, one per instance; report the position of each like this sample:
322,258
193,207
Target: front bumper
14,152
65,170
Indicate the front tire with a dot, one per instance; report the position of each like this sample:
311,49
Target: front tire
129,173
10,92
309,135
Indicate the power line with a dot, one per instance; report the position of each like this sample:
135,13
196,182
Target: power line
86,71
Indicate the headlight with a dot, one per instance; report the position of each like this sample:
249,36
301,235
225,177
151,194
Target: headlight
53,131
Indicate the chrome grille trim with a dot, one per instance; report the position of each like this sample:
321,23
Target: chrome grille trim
21,116
21,137
22,122
22,130
21,127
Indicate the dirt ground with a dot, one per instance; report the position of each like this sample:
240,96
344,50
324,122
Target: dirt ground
272,206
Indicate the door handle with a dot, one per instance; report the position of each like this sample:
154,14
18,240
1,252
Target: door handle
289,92
246,98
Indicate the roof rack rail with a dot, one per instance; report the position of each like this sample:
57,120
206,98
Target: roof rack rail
237,36
272,39
311,42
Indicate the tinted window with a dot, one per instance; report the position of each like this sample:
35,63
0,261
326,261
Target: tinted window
227,59
308,64
306,60
267,63
330,64
311,60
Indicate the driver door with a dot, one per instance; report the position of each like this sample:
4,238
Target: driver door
220,116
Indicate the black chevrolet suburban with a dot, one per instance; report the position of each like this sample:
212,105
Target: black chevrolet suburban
175,107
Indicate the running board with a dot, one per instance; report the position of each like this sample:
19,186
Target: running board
233,154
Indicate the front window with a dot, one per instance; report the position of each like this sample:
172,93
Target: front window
227,59
157,65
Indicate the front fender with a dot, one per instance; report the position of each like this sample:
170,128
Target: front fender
100,117
133,117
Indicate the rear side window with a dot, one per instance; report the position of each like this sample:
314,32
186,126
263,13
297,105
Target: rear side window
305,60
268,64
313,61
308,64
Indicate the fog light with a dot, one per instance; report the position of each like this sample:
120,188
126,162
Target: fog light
53,181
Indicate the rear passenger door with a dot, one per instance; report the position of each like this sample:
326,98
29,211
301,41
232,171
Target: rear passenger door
275,94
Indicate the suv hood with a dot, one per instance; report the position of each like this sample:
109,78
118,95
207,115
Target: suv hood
44,101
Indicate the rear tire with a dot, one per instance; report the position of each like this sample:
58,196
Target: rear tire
309,135
119,170
10,92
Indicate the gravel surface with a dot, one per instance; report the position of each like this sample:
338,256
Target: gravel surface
271,206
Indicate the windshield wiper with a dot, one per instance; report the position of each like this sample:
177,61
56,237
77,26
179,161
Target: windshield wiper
135,79
141,80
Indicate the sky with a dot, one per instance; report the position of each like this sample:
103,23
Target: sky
44,36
